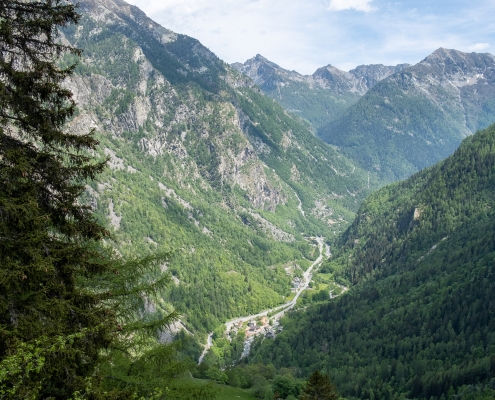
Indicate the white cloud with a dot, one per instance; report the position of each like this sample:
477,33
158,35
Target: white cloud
479,46
358,5
239,29
301,35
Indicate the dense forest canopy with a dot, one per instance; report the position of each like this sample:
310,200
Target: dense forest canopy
419,320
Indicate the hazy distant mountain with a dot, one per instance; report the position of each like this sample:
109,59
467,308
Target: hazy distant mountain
417,116
320,97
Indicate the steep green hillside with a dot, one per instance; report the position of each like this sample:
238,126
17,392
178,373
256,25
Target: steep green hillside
419,321
203,165
419,116
315,104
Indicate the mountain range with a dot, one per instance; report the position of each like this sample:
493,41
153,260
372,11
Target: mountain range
390,120
416,117
320,97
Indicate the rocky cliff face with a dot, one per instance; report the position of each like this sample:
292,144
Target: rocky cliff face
416,117
370,75
155,99
319,97
467,78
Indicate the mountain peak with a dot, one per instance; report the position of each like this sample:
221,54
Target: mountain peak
442,52
118,12
453,54
454,63
260,69
259,57
330,73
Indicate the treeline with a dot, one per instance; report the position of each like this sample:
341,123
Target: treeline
268,383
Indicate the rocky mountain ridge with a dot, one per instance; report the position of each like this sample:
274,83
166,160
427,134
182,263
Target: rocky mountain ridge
359,80
319,97
418,116
469,77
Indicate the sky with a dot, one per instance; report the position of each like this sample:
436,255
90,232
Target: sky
303,35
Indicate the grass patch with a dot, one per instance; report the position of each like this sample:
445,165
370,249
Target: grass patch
325,277
225,392
290,297
232,393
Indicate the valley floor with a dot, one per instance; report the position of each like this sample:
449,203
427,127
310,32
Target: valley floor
278,310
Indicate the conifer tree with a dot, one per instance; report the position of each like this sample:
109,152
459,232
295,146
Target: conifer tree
44,230
319,387
73,318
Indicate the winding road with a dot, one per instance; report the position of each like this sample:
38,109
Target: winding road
307,275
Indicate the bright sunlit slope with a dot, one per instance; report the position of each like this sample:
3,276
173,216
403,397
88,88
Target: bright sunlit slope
203,164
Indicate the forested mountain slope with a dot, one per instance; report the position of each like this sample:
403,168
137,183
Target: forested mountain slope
320,97
202,164
416,117
419,322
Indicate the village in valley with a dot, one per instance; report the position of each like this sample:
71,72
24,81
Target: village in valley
257,327
261,325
